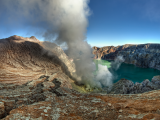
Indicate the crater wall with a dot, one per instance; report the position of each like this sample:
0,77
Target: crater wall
142,55
25,59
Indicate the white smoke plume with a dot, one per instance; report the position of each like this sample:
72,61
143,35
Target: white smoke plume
104,76
117,62
60,21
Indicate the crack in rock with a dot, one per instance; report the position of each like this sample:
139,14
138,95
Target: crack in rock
57,90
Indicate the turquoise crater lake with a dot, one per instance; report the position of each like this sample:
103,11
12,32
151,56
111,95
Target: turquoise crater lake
128,71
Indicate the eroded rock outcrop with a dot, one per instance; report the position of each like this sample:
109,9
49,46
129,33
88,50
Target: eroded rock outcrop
125,86
26,59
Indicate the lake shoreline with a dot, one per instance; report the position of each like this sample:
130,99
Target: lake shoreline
125,85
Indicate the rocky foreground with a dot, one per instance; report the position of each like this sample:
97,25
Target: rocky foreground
36,84
48,98
142,55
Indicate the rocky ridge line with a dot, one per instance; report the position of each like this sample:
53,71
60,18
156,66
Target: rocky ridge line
26,59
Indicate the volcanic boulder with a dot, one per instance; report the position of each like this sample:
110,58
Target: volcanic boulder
125,86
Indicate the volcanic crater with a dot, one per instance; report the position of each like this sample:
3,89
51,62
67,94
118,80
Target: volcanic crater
37,82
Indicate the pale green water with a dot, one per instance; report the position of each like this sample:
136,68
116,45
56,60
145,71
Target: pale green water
128,71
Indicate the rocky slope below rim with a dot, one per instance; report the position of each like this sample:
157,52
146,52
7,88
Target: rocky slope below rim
142,55
48,98
25,59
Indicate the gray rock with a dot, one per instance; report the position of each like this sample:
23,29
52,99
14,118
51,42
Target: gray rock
145,82
145,55
156,80
125,86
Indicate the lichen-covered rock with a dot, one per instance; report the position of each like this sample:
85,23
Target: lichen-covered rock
61,103
51,99
121,87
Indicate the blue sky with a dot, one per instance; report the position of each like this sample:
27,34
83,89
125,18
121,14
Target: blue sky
117,22
112,22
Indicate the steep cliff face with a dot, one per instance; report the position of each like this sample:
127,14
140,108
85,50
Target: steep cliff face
143,55
110,51
146,55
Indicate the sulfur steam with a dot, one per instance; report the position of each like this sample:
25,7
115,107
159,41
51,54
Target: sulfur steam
59,21
104,76
117,62
63,22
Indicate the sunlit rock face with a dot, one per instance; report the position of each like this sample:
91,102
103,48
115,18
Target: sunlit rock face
26,59
57,51
96,52
108,52
142,55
